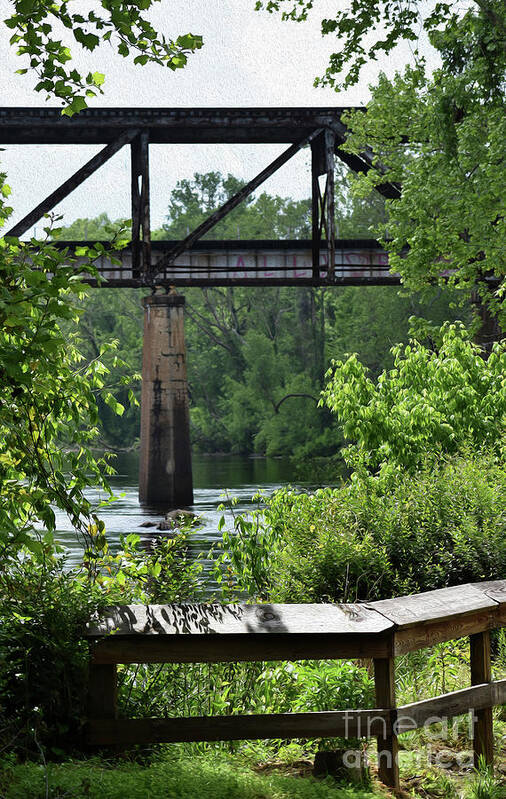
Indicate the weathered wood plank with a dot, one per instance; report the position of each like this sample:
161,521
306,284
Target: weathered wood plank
496,590
230,648
481,672
434,616
417,714
432,606
388,746
237,619
72,183
337,723
423,635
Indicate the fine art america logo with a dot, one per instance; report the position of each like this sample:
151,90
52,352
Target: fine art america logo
438,731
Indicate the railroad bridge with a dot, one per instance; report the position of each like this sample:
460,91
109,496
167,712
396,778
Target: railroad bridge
165,465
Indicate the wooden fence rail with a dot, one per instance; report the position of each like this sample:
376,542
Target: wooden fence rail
196,633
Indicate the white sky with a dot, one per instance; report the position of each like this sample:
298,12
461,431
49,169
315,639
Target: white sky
248,59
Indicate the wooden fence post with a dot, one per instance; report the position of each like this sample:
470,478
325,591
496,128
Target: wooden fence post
388,747
481,672
102,691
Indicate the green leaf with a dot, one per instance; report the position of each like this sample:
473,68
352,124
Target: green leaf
114,405
88,40
78,104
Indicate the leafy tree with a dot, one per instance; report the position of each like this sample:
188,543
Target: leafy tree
265,216
48,413
378,26
441,136
438,398
445,144
370,320
49,396
100,228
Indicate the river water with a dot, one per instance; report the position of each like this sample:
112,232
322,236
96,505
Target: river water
215,478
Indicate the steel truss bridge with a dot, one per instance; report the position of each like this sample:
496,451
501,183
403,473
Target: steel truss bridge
358,262
322,260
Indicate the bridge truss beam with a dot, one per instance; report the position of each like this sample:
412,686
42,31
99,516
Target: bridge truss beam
322,128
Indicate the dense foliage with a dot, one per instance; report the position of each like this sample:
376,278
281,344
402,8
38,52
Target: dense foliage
435,398
440,135
371,538
44,606
49,396
425,507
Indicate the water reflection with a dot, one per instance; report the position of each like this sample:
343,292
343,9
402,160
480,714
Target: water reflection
240,476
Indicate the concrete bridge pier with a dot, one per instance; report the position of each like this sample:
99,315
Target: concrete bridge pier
165,478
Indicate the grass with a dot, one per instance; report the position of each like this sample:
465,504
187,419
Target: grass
196,778
250,773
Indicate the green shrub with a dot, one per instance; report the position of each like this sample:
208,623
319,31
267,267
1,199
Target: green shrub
243,688
43,611
435,399
372,538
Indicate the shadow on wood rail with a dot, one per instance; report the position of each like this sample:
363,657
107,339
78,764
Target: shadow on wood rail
197,633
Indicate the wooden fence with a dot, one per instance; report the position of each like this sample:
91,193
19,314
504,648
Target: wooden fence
200,633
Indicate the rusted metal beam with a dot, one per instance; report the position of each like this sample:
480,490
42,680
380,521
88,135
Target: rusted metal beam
261,262
218,281
185,125
234,201
330,144
391,191
315,206
46,125
323,218
72,183
363,162
141,230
